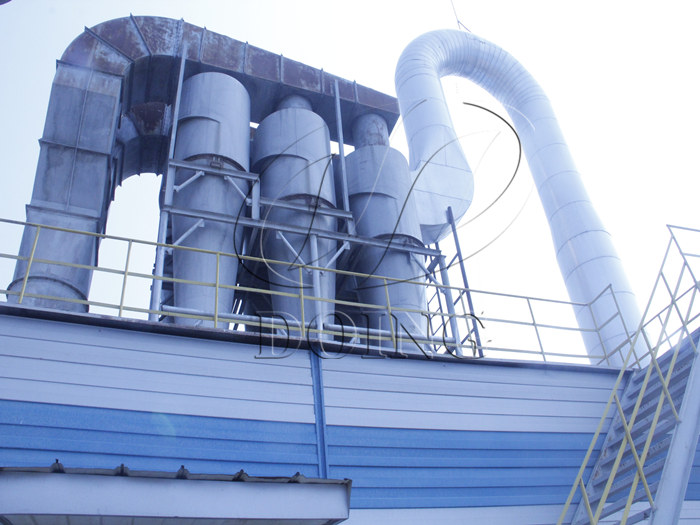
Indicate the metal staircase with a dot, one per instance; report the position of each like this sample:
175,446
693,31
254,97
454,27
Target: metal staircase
642,468
624,475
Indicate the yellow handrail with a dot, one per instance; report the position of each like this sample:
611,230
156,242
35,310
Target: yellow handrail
460,318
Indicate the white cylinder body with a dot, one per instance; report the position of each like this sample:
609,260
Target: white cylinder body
213,130
291,152
383,207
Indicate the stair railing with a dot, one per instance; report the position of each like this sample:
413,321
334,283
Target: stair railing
668,330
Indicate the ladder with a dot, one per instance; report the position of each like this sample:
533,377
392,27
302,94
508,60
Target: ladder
645,415
642,468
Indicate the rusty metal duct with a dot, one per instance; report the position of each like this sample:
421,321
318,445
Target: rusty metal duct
585,253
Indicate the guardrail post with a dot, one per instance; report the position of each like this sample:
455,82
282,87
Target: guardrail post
301,300
316,280
29,265
537,331
126,274
394,338
216,292
450,306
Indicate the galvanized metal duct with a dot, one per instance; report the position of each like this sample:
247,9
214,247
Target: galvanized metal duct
71,190
586,256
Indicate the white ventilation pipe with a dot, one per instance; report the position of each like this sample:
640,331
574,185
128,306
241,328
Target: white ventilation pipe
586,256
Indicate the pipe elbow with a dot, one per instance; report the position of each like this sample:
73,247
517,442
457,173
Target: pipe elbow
440,172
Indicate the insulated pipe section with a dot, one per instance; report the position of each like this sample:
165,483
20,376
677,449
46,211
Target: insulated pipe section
213,131
586,256
291,152
383,207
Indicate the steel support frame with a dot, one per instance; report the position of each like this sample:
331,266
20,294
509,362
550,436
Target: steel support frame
169,184
460,258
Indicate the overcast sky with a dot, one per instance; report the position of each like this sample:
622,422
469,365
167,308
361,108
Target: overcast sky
621,76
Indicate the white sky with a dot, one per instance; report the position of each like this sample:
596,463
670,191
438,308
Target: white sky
621,76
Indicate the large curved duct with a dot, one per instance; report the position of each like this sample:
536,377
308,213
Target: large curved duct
586,256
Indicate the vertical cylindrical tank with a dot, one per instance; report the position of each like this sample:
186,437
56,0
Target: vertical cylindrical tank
379,187
291,152
213,131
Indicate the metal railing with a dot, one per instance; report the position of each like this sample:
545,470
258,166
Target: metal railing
665,332
510,326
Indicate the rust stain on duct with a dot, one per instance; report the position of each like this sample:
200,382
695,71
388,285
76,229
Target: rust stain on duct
222,51
123,35
118,46
300,75
150,118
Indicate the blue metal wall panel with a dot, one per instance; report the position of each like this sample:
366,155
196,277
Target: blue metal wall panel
390,468
35,434
415,468
363,498
693,491
416,439
458,435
